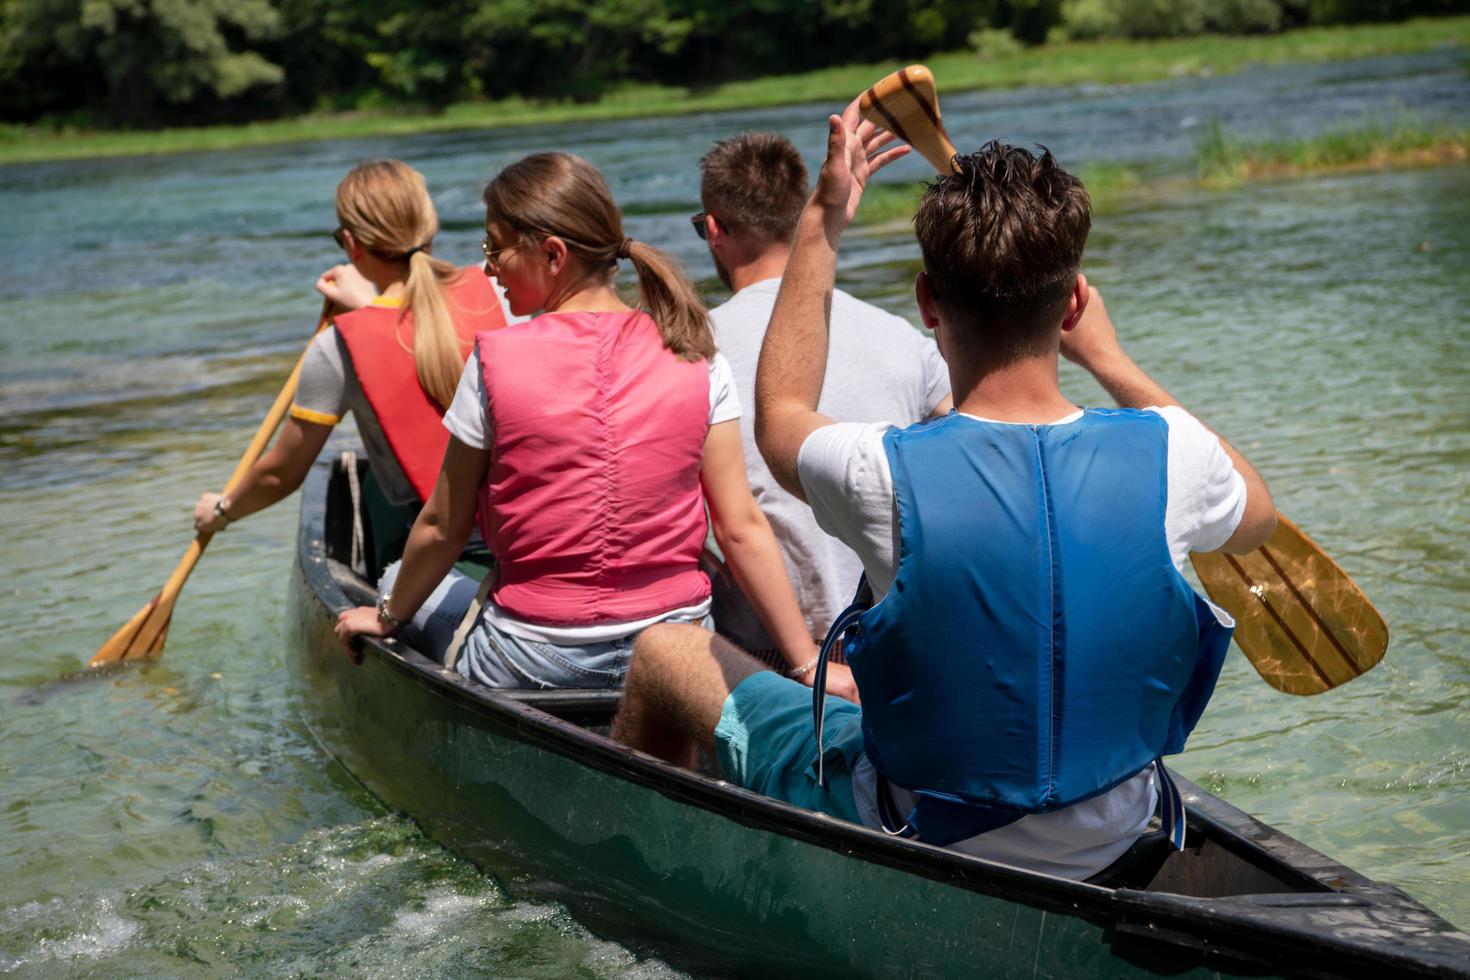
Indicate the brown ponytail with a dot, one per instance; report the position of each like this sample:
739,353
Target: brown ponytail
559,194
386,206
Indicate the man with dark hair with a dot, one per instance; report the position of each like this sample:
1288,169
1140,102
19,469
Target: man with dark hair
753,187
1032,648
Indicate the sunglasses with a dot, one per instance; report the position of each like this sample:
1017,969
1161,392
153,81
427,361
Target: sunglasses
340,237
700,228
492,255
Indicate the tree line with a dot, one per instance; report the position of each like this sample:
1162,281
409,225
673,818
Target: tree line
146,63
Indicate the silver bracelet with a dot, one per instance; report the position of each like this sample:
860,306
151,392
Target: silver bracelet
385,617
805,668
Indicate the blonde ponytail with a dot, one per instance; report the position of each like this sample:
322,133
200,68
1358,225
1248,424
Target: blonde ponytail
386,206
559,194
438,358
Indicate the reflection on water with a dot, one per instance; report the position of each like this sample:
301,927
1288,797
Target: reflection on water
179,819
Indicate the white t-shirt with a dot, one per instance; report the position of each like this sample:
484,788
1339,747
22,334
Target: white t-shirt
844,472
879,369
468,420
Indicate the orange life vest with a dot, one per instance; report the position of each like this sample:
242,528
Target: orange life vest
379,339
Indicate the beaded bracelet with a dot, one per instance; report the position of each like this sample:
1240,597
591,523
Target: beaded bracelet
805,668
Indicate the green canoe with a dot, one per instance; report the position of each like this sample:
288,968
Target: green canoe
720,881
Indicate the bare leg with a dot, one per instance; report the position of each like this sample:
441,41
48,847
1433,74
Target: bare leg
675,689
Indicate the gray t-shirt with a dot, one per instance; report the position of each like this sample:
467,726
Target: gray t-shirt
879,369
328,390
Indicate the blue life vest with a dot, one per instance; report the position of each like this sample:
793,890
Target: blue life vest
1037,647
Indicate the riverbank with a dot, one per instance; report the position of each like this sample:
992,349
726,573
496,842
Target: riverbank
1223,160
1112,62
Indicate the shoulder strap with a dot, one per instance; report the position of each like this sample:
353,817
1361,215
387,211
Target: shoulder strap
471,616
862,601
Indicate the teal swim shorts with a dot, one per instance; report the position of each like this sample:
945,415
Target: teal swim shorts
766,742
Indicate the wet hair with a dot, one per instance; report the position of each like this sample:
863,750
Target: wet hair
1002,240
386,206
756,183
559,194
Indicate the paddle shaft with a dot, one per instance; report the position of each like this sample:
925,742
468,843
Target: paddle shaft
144,634
253,452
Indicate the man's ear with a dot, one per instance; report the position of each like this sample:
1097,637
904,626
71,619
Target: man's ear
1076,303
714,232
924,296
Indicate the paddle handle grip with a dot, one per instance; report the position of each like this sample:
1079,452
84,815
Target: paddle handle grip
906,104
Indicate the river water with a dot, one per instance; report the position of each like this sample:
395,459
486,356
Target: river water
178,819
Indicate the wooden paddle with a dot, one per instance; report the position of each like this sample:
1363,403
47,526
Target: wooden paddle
144,634
906,104
1300,620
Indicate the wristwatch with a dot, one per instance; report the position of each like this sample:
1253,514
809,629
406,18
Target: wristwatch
219,511
385,617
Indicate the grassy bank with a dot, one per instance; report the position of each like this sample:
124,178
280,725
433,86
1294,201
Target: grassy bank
1101,62
1223,160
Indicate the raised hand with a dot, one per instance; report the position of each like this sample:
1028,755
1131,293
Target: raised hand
855,152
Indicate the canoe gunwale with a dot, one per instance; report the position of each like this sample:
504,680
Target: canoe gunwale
1263,930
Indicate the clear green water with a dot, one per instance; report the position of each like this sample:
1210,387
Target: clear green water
178,819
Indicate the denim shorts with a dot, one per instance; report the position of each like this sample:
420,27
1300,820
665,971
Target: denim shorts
496,658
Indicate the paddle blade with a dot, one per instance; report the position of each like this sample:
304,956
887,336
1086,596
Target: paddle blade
138,637
906,104
1301,621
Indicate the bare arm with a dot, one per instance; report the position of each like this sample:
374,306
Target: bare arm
275,476
1093,344
788,380
750,549
435,543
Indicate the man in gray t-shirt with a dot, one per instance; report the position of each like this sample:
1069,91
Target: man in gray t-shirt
879,367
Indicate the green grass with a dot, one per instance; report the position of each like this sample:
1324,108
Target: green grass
1105,62
884,204
1222,160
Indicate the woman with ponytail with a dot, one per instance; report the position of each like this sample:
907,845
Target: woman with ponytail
393,361
590,440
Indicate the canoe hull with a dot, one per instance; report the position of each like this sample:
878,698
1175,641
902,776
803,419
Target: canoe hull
720,881
652,871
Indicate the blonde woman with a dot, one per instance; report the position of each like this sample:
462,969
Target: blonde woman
590,439
394,363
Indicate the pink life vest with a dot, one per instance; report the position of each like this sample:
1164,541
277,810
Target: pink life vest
380,340
592,505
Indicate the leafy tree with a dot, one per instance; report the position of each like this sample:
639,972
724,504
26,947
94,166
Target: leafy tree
1031,20
1353,11
141,62
572,48
144,53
